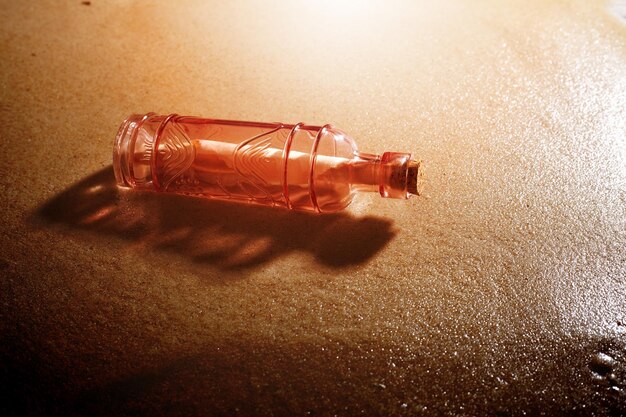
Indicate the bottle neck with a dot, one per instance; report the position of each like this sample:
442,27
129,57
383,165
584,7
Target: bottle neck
392,174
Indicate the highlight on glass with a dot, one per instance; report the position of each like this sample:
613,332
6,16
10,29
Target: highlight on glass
298,167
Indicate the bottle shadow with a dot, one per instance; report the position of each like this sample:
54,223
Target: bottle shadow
228,236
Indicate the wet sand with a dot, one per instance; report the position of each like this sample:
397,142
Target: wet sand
503,291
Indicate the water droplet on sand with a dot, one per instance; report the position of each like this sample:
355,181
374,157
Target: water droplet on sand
602,364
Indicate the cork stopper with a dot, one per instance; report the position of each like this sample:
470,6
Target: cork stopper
415,177
400,175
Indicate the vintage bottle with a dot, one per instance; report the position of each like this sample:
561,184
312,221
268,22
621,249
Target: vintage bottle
299,167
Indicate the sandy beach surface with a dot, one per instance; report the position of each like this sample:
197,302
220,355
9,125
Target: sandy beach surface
500,292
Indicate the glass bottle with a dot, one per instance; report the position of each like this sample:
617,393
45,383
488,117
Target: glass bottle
299,167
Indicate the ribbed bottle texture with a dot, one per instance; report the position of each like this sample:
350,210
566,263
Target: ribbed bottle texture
300,167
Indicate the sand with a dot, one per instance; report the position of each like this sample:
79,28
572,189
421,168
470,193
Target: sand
502,290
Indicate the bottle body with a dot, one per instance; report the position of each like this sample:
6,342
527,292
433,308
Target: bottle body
300,167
